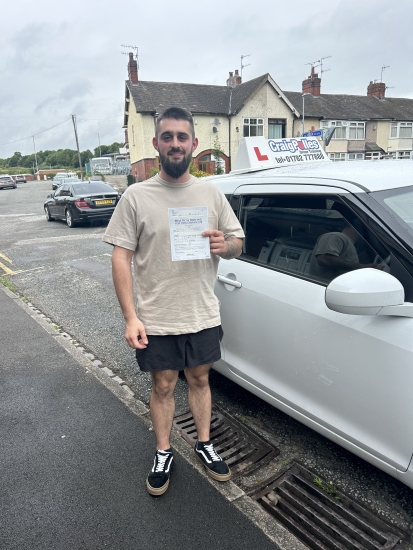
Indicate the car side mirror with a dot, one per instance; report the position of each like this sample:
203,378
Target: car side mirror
367,291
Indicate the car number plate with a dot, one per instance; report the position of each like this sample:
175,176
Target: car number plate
107,201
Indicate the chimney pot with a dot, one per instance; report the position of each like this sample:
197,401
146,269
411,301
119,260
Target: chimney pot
376,89
234,81
312,84
133,69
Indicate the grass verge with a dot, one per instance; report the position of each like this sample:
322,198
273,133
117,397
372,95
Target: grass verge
5,282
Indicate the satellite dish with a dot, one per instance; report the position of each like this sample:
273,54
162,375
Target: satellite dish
214,129
216,121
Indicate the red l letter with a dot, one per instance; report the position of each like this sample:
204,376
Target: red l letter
259,156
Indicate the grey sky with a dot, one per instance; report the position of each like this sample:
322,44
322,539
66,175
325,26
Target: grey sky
63,58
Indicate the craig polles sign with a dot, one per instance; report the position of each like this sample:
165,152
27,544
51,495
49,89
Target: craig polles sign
258,152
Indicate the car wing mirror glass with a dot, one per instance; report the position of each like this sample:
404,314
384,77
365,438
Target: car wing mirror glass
367,291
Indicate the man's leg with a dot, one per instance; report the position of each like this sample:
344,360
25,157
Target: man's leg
162,405
199,397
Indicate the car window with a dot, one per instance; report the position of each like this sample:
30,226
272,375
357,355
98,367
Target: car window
93,187
313,236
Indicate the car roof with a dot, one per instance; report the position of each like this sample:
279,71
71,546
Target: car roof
368,176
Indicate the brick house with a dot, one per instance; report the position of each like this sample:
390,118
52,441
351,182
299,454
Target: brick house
368,127
256,107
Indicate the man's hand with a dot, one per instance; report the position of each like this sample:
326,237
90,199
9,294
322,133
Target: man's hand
135,334
225,248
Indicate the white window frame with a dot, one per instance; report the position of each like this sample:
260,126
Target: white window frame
355,156
337,157
404,155
373,155
396,127
259,124
345,126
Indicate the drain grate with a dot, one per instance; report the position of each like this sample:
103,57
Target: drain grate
243,450
325,521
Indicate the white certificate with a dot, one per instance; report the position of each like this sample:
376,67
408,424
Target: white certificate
186,226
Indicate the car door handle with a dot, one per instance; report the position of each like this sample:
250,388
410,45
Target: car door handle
227,281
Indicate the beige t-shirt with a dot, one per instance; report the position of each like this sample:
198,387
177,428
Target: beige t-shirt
172,297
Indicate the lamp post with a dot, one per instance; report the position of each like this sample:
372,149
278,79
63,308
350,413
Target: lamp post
100,150
35,158
302,126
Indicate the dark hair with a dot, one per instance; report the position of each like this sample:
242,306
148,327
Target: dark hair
178,114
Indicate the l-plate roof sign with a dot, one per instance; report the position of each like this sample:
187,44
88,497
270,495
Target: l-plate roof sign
257,153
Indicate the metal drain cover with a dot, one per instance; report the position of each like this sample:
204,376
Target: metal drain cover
325,521
243,450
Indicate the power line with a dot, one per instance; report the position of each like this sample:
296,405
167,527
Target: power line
36,134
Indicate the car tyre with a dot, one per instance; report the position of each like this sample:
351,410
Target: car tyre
69,219
47,214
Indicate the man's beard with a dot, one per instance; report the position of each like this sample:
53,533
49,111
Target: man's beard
175,169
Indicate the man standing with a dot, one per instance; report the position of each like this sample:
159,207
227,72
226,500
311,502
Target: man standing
177,325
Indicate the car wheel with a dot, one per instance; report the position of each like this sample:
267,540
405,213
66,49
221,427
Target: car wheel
69,219
47,214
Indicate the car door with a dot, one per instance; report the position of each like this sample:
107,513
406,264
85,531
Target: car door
61,199
53,203
349,377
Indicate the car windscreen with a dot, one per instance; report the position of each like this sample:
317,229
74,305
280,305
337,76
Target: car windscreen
93,187
399,204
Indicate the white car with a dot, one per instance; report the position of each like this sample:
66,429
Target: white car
324,337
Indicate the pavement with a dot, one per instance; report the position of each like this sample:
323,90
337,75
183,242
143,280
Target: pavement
76,449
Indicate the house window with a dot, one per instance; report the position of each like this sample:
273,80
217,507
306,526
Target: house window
355,156
341,129
253,127
336,157
404,155
372,156
345,129
356,130
401,129
276,128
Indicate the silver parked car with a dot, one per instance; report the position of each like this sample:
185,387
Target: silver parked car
314,310
7,182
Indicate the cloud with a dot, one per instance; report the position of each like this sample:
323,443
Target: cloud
63,61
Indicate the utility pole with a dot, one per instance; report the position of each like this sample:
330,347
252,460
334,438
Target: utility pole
35,158
100,150
77,144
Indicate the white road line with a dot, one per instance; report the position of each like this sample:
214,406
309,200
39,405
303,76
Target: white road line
89,257
59,239
16,215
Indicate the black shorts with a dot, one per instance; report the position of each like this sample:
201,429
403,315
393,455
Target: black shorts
180,351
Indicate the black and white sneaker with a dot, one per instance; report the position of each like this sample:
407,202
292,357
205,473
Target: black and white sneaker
157,481
215,466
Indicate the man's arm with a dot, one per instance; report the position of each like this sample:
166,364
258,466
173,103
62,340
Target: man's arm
228,248
122,279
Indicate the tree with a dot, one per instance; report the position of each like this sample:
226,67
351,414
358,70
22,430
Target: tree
216,152
15,160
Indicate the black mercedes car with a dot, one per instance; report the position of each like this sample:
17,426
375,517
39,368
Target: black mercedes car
82,201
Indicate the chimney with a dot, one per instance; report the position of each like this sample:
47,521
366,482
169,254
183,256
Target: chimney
312,84
133,69
376,89
234,81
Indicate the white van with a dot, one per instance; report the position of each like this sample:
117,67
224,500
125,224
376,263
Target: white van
317,311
